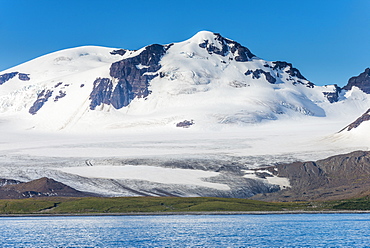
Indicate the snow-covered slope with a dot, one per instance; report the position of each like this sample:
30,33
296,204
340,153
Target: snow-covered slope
208,79
204,104
356,133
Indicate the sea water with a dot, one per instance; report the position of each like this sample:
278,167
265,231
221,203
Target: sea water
288,230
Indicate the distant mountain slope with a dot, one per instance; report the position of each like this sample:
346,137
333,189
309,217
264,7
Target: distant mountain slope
339,177
42,187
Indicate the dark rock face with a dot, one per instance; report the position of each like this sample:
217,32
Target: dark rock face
338,177
24,77
185,124
120,52
42,97
138,71
133,75
257,74
61,95
288,67
241,54
122,95
333,96
362,81
7,76
356,123
278,68
4,182
58,84
211,48
101,92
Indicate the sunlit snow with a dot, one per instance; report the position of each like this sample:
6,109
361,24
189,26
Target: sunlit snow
148,173
270,178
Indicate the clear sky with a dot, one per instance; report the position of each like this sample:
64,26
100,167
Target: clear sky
327,40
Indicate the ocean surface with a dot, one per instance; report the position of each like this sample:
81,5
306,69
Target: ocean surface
273,230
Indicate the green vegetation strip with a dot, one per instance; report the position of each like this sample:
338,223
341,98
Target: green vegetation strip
353,204
100,205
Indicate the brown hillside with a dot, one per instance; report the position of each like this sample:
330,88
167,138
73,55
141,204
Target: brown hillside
42,187
339,177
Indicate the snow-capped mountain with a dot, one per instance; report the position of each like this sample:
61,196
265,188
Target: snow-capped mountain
362,82
208,79
194,118
357,131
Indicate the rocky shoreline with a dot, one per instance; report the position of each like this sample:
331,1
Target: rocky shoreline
191,213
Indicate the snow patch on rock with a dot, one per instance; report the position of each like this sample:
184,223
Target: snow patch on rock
267,177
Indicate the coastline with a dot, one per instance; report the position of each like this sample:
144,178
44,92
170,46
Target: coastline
189,213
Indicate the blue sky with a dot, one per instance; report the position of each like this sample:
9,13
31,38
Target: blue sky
327,40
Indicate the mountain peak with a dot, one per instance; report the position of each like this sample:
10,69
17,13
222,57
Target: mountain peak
215,43
362,81
89,79
203,35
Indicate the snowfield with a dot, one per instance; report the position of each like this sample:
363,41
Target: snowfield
148,173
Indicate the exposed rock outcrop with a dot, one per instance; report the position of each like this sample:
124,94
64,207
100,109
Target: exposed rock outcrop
6,77
241,53
24,77
334,95
257,74
279,68
132,75
185,124
288,67
356,123
42,97
362,81
4,182
61,95
101,93
119,51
